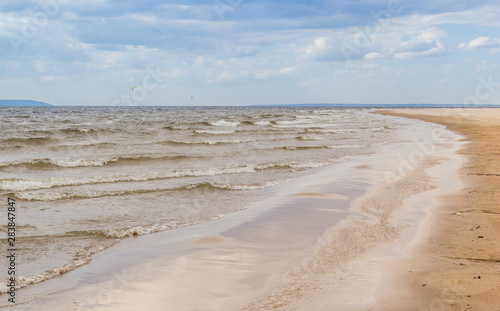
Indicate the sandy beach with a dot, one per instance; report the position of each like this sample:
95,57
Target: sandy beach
456,267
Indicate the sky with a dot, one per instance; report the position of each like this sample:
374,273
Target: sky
246,52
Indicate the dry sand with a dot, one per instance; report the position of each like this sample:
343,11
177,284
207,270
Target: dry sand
457,266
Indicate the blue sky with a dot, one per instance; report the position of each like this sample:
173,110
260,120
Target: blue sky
243,52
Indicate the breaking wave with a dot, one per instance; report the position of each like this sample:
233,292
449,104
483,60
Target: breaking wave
224,123
84,163
18,184
53,196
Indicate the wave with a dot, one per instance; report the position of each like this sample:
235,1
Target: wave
299,165
27,140
261,123
56,162
316,130
83,163
292,122
135,231
139,230
16,184
55,147
327,147
341,130
81,258
303,125
210,142
39,132
312,138
82,130
54,196
69,130
224,123
84,256
33,184
303,147
348,146
214,132
258,123
120,233
174,127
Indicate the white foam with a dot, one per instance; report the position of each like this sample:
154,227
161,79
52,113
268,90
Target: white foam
213,142
313,138
176,127
134,231
346,146
62,163
333,131
224,123
81,258
262,123
293,122
214,132
77,163
53,196
302,125
252,186
34,184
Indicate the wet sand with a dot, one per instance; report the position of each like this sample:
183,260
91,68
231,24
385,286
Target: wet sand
457,264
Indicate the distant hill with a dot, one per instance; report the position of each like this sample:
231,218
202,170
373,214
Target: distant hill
21,103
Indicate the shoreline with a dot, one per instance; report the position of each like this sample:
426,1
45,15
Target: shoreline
456,266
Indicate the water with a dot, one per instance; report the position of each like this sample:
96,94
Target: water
86,177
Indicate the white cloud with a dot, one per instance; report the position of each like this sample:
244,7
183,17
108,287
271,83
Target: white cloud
484,15
482,42
372,55
425,40
425,43
324,46
13,23
479,42
396,39
438,49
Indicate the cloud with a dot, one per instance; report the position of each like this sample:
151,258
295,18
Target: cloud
394,40
493,44
372,55
482,42
324,47
425,43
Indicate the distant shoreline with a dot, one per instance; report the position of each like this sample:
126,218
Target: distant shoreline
23,103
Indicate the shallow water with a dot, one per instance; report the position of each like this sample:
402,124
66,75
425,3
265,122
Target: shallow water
85,178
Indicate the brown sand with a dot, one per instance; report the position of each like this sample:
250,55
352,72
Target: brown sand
457,267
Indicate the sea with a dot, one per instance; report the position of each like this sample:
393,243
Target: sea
86,178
